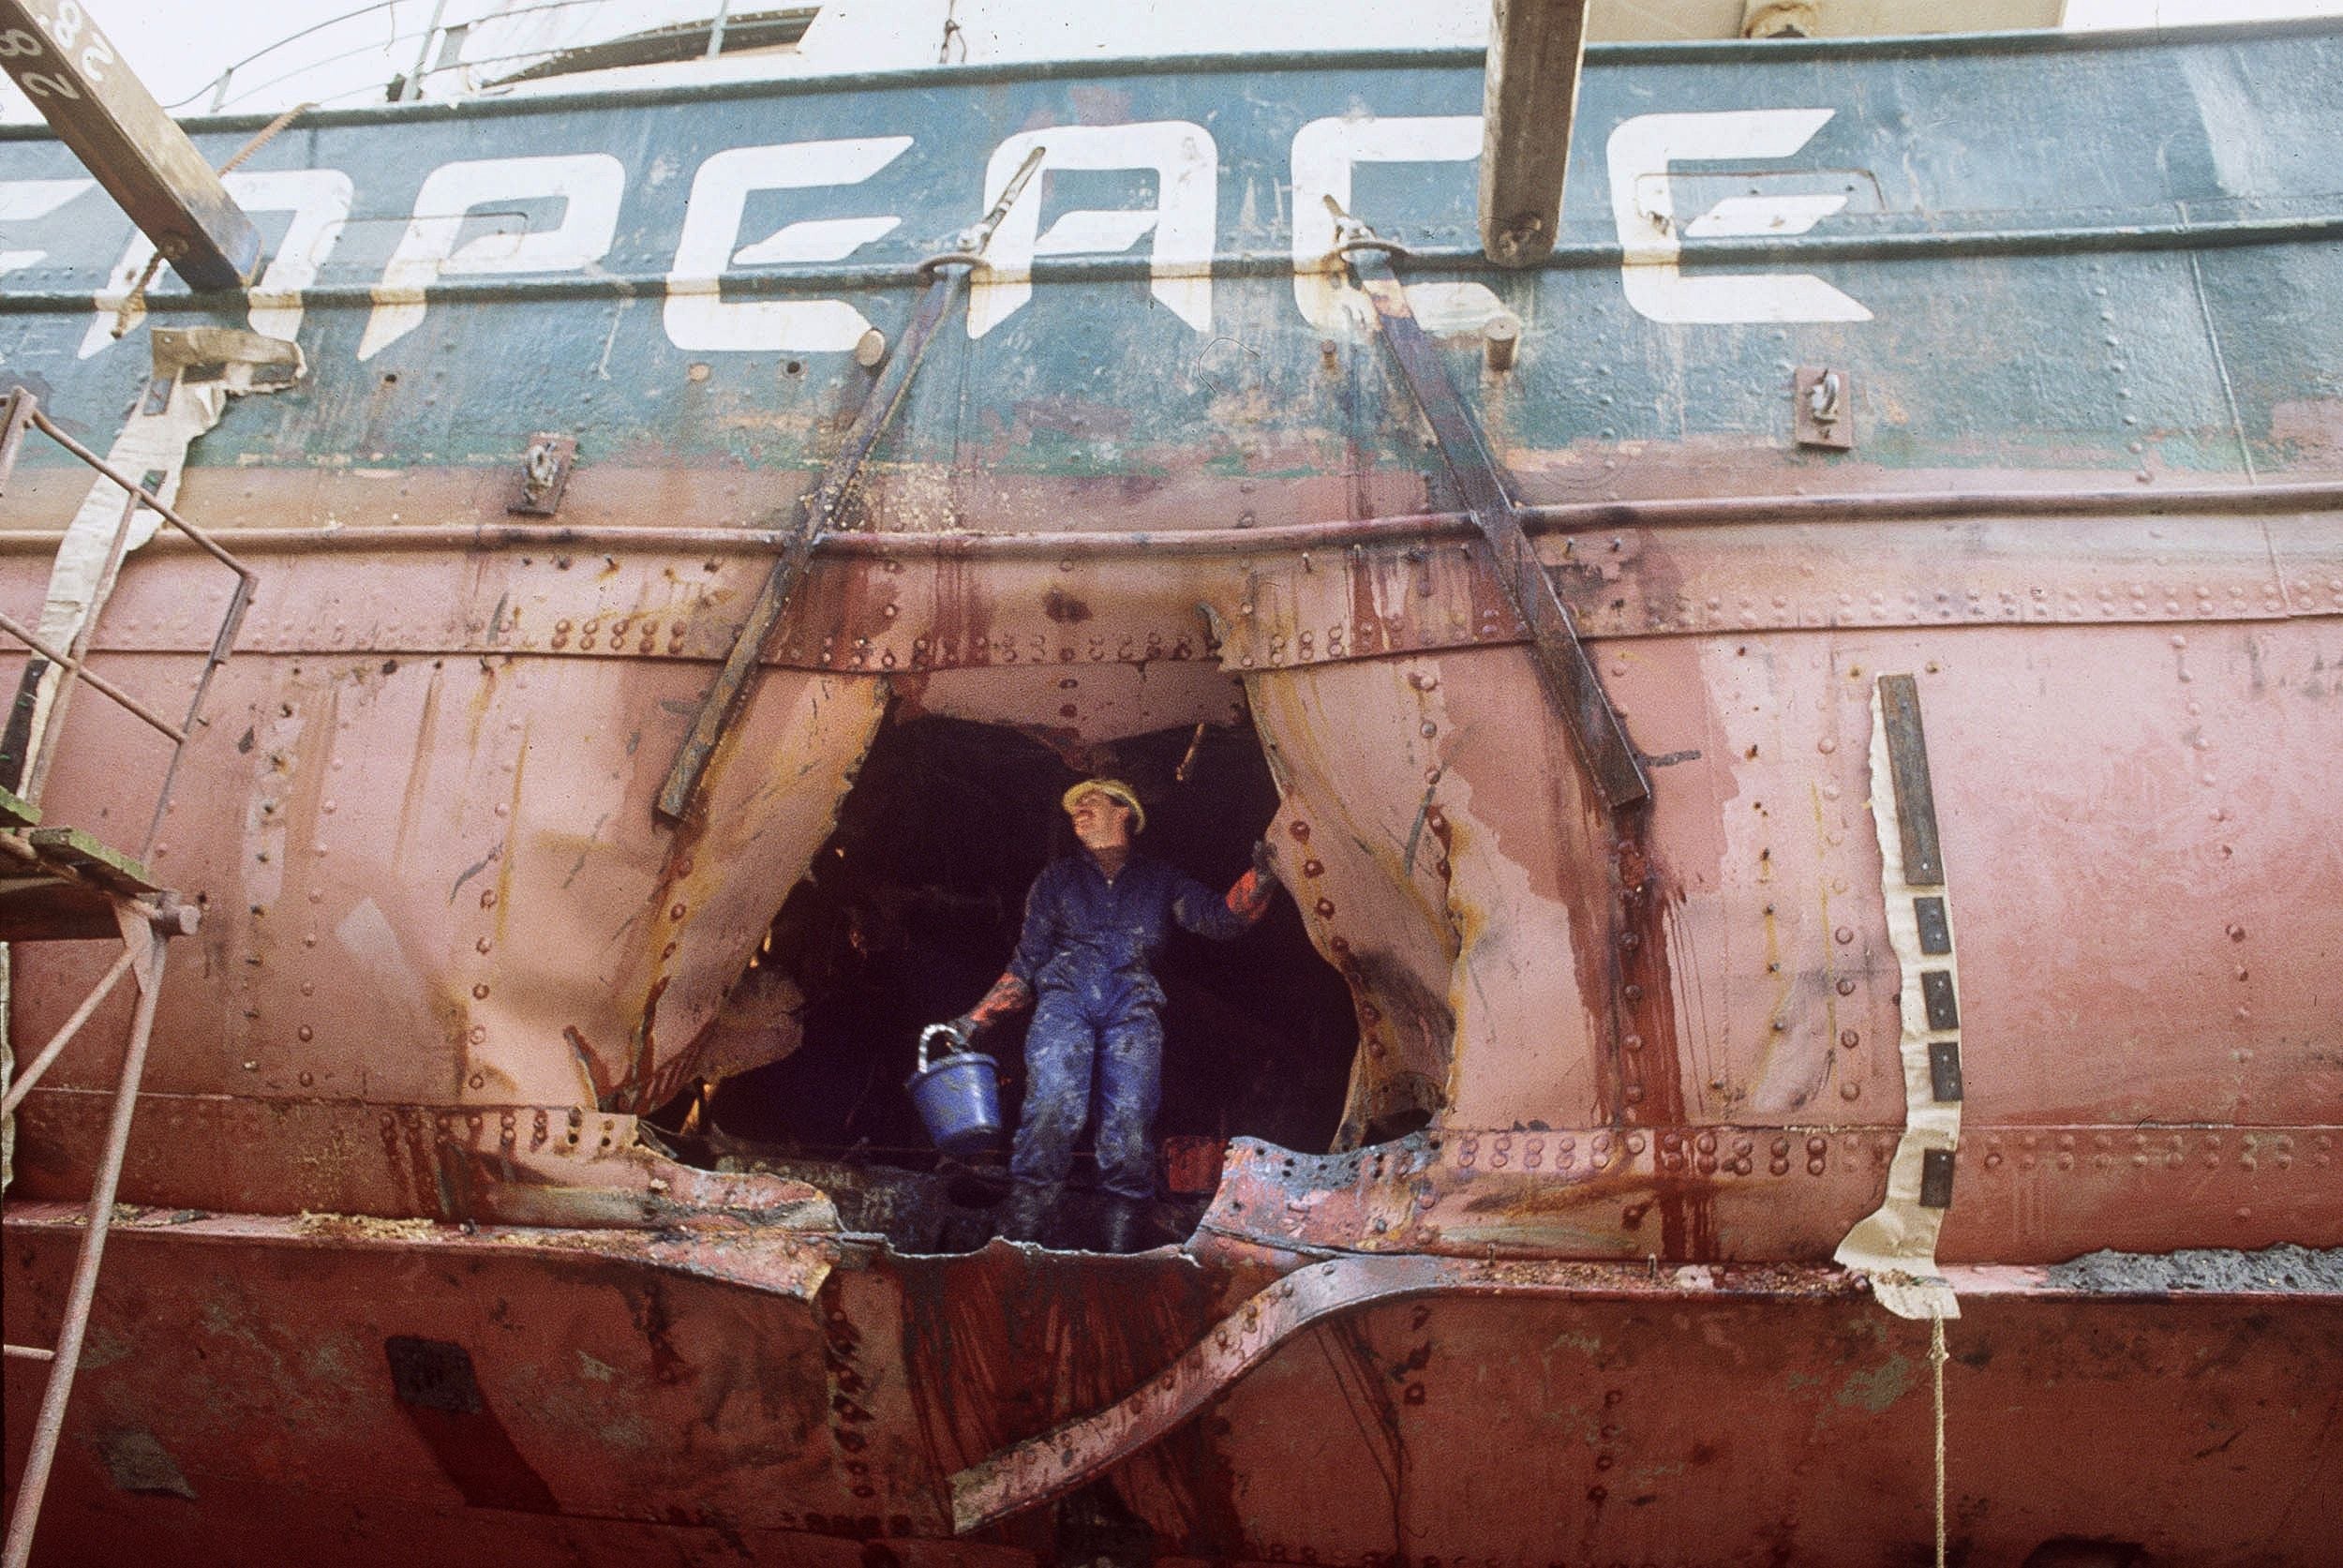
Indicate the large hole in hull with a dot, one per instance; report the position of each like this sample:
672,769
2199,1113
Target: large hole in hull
910,911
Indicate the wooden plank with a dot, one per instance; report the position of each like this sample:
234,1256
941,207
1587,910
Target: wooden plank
105,114
1529,97
16,809
74,849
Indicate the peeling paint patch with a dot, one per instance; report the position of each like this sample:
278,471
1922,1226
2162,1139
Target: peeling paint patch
471,871
367,935
102,1347
136,1462
1874,1391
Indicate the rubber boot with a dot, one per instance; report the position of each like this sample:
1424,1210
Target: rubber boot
1124,1226
1025,1215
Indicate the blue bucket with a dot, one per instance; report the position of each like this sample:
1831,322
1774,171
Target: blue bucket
958,1096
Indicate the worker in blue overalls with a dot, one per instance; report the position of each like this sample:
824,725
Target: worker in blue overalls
1094,923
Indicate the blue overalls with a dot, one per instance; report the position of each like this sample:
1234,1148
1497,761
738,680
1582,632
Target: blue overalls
1084,953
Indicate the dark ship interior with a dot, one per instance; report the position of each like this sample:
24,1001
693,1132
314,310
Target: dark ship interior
911,910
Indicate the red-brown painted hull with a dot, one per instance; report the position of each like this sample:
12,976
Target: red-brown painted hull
429,736
422,812
719,1404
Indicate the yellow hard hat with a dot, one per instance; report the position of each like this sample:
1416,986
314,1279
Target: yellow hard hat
1113,789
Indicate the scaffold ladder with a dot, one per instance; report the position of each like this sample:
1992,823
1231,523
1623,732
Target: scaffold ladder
60,883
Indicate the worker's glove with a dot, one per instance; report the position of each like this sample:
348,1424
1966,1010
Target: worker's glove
1265,861
964,1029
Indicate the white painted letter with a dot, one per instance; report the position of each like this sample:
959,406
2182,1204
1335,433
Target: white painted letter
1184,218
697,316
318,200
1324,153
591,185
1643,205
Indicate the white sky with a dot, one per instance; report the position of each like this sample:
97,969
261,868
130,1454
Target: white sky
2174,13
180,48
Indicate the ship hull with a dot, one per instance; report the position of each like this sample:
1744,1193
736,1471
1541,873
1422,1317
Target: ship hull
1984,912
253,1395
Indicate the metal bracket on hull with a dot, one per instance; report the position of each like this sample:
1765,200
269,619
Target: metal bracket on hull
1822,408
949,277
545,475
1568,674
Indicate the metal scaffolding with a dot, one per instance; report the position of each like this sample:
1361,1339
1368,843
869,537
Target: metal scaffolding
60,883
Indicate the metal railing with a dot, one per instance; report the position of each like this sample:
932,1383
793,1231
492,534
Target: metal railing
145,918
20,415
437,52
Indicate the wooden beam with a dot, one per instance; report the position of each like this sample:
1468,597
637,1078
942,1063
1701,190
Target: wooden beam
56,909
1527,100
17,811
105,114
82,854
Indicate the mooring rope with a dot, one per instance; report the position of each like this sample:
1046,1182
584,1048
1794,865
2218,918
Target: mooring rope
1936,1359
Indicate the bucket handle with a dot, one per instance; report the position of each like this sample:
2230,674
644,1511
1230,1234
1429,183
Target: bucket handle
960,1046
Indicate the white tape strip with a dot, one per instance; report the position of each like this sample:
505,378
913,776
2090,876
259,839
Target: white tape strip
1896,1243
152,442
